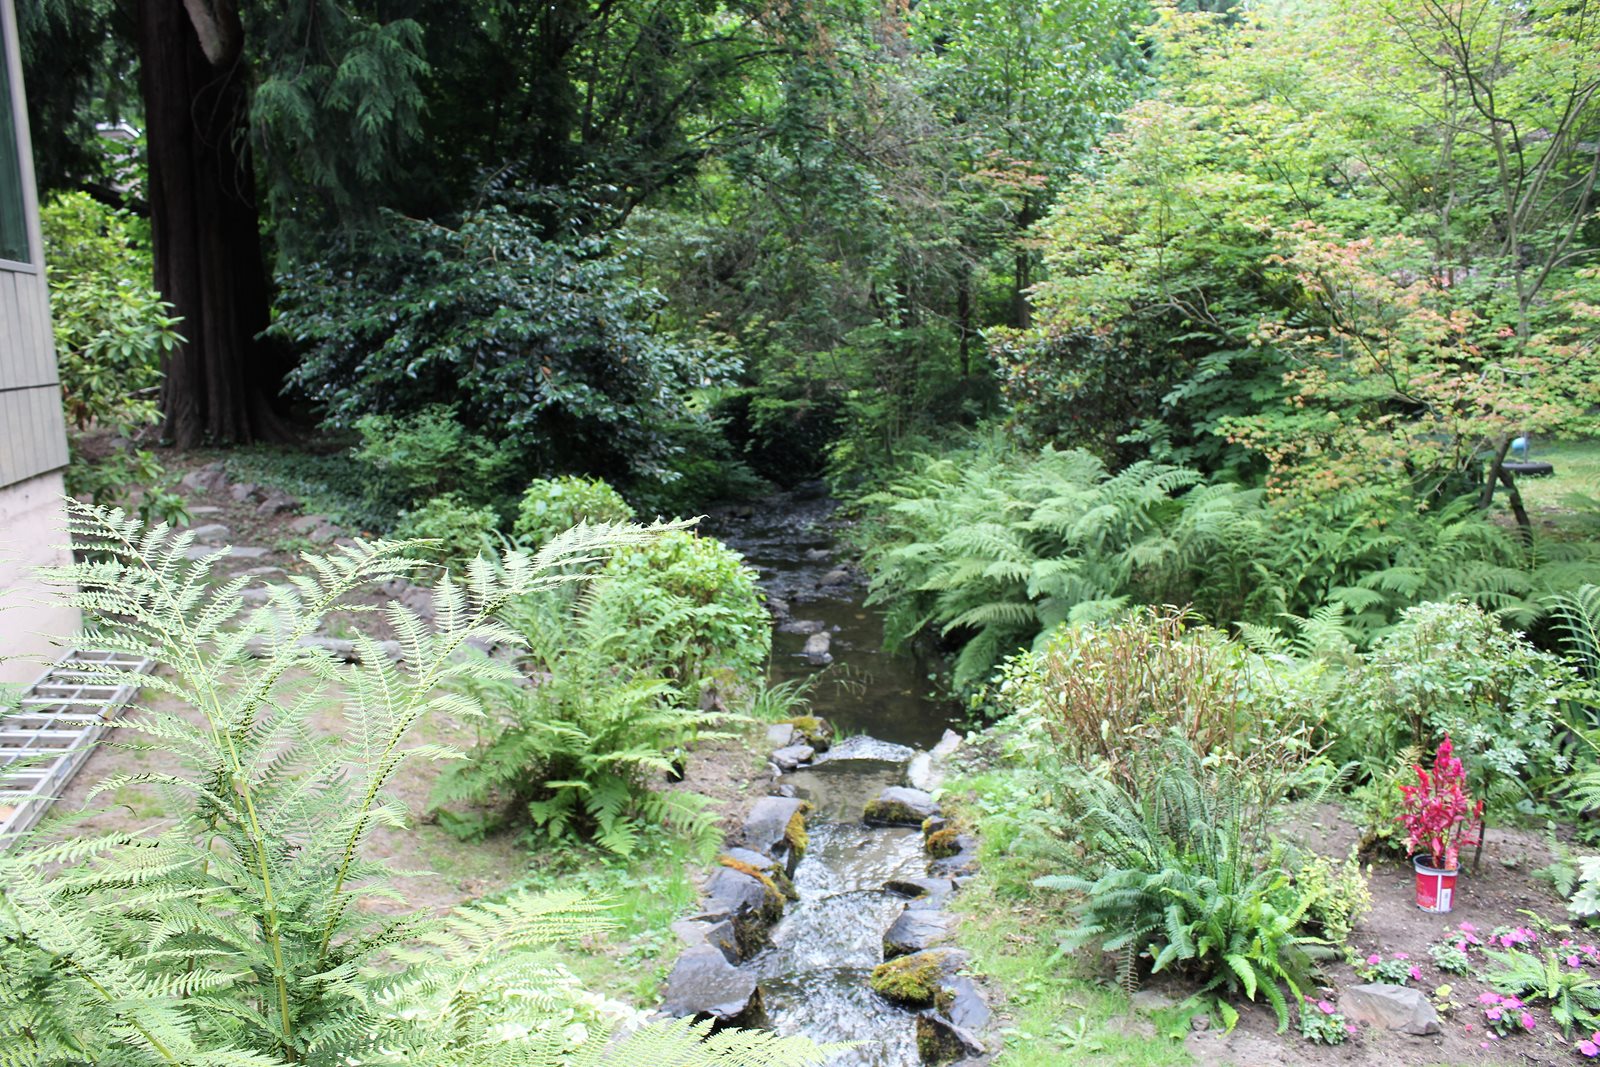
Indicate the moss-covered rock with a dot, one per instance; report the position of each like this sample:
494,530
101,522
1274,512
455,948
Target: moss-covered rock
794,835
913,981
942,844
813,730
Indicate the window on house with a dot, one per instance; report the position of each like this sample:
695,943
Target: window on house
13,221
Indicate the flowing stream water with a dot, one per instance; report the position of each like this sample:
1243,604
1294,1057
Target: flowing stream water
814,976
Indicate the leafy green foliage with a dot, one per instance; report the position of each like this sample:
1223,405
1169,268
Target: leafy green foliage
1449,668
609,697
112,330
425,454
994,546
1572,994
686,608
1178,877
206,940
459,532
542,344
552,505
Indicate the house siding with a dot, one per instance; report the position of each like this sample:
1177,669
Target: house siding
33,442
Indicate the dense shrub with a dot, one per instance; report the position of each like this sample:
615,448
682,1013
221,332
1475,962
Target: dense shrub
688,608
542,342
1450,668
111,331
552,505
463,532
1102,693
428,453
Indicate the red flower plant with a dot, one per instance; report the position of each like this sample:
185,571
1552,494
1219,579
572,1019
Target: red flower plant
1439,816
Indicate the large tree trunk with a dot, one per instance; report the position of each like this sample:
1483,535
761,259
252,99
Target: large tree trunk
205,227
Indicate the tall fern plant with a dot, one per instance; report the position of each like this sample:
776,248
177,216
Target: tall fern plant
244,932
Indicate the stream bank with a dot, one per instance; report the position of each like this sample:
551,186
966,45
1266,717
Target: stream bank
812,899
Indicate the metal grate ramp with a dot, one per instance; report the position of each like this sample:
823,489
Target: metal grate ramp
53,731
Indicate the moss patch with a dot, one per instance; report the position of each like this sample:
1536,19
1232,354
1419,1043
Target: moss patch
794,835
942,844
912,981
888,813
813,729
776,882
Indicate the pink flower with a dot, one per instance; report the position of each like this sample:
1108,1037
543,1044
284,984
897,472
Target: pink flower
1589,1048
1325,1007
1416,974
1401,956
1374,959
1573,961
1488,998
1527,1021
1492,1014
1351,1028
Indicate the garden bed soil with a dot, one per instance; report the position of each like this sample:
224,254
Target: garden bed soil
1500,893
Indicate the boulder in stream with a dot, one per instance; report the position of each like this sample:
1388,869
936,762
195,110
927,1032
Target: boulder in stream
899,806
940,1040
718,933
924,892
915,981
703,983
789,757
776,826
917,930
749,899
814,730
816,650
806,627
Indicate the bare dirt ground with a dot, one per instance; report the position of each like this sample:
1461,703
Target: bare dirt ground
1500,893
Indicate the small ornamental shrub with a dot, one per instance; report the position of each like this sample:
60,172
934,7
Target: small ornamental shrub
1451,957
688,608
463,532
1338,892
413,458
1321,1023
552,505
1438,815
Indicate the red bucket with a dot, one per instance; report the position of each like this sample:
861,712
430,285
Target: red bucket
1436,889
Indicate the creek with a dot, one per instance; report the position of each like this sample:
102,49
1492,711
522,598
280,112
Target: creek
813,977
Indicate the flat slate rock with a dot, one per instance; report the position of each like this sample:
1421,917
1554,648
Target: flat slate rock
917,929
861,746
768,823
923,892
1392,1007
780,734
966,1006
899,806
704,983
717,933
211,531
791,756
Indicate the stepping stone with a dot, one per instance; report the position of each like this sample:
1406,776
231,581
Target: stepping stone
306,523
201,511
247,552
803,626
325,533
791,756
916,930
704,983
244,491
899,806
207,479
276,503
718,934
210,531
816,650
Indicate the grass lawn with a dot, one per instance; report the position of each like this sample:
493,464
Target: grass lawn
1577,472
